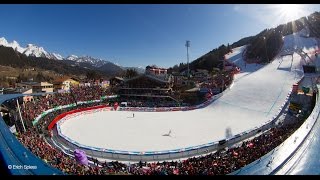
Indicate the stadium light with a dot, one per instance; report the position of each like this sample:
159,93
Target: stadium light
265,45
188,45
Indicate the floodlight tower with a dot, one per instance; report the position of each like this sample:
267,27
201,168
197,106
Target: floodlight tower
188,45
265,46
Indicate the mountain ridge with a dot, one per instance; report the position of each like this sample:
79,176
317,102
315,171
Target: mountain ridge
85,61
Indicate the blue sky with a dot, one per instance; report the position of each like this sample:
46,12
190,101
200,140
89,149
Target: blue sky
137,34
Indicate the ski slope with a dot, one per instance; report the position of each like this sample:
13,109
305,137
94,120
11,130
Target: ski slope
237,58
254,98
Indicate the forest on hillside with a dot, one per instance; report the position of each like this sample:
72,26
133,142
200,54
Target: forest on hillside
262,47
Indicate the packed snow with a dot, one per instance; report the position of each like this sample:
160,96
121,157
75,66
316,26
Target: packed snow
236,57
253,99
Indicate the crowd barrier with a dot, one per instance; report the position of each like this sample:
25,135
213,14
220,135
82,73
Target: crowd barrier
168,154
44,113
146,109
166,109
75,113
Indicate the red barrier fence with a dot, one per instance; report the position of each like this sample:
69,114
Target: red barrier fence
55,120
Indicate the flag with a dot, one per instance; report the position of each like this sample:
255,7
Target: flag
235,153
13,129
81,157
250,145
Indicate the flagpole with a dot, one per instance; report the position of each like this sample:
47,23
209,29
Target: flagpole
21,116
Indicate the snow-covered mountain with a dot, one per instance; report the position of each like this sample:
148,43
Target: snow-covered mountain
33,50
83,61
15,45
57,56
37,51
72,58
30,50
96,62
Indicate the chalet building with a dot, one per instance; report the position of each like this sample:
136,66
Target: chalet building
145,85
155,85
42,87
25,85
37,87
154,70
64,83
